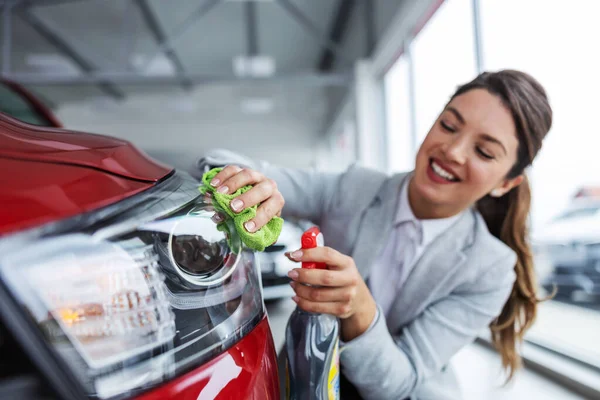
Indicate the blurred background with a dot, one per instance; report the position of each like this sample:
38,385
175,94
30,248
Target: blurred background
325,83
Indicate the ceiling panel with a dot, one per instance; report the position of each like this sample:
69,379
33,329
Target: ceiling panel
292,45
107,32
385,10
210,44
113,35
27,44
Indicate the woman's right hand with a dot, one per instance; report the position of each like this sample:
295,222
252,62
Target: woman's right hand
264,192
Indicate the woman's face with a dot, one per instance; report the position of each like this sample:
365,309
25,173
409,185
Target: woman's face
466,155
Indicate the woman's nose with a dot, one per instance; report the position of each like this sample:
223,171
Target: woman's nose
456,151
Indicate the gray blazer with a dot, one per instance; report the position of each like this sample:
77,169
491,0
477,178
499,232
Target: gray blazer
458,286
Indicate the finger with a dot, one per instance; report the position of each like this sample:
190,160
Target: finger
244,177
333,258
324,294
259,193
323,277
226,173
265,213
217,218
334,308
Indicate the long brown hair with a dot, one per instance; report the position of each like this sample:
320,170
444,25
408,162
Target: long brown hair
507,216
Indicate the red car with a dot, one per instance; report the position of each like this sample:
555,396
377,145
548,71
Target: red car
114,281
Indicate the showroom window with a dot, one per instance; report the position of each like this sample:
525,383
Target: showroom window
560,53
443,56
400,145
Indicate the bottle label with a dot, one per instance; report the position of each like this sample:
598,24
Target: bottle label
333,380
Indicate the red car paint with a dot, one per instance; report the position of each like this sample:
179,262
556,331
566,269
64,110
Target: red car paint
245,371
48,174
19,140
35,193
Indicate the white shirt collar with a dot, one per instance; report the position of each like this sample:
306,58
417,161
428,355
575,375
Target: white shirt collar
428,229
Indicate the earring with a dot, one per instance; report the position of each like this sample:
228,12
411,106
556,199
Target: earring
496,193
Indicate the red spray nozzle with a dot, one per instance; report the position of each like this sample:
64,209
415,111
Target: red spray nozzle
310,239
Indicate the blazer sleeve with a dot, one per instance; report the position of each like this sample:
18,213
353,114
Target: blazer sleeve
385,366
308,194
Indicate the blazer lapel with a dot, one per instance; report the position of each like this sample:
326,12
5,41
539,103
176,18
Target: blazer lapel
439,261
376,224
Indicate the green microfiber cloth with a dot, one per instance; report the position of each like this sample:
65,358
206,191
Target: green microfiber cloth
259,240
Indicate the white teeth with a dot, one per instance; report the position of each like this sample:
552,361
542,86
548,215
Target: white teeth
442,172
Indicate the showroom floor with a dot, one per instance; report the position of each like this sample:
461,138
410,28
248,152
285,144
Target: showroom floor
569,326
477,368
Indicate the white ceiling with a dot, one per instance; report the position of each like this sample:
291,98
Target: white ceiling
113,36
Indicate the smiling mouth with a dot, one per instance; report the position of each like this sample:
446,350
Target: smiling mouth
441,172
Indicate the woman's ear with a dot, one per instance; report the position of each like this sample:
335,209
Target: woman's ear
507,186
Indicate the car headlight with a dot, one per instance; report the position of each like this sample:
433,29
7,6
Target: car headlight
138,296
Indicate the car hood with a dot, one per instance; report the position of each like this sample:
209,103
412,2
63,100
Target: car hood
59,146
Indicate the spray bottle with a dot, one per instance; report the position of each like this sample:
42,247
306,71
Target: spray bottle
311,345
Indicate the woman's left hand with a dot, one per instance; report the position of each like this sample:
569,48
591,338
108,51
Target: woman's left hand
341,290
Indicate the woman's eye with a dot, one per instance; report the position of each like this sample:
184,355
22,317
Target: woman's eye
484,154
447,127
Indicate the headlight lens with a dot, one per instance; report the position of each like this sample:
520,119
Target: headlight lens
151,295
98,297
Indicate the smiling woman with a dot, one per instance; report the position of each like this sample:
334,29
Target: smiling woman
419,263
465,156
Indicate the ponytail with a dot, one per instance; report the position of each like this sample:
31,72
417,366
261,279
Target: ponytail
507,216
507,219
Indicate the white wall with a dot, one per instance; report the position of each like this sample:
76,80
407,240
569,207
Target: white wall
338,149
179,128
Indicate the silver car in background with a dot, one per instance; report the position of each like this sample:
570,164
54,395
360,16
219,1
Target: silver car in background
570,243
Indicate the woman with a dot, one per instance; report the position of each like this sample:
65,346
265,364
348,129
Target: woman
420,263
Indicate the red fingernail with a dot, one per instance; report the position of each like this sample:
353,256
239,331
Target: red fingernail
293,274
295,298
293,284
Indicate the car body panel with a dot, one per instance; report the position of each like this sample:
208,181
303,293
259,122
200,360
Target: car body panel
28,142
35,193
245,371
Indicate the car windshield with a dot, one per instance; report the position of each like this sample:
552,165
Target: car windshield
16,106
